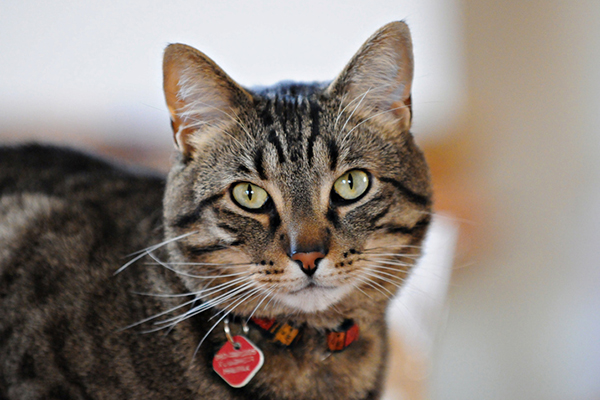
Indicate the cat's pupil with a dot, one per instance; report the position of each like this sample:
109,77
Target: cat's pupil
249,192
350,182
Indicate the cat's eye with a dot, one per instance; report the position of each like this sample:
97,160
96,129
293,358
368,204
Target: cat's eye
249,196
352,184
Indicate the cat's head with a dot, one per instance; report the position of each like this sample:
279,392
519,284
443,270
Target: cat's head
301,198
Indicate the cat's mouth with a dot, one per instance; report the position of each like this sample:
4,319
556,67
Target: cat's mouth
312,286
313,297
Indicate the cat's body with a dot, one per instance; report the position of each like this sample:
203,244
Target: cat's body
316,250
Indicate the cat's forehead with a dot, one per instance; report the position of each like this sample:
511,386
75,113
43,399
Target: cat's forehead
296,148
297,138
299,129
292,125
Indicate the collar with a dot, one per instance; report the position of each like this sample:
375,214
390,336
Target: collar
285,334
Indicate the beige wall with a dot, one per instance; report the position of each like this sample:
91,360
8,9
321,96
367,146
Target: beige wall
525,315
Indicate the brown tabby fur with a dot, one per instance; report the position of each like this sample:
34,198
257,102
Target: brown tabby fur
70,328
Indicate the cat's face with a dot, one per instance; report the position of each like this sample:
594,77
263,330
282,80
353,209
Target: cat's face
300,198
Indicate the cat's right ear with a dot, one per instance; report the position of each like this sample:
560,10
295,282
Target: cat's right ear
376,83
202,99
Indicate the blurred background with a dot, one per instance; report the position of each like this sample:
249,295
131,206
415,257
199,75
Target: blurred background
507,109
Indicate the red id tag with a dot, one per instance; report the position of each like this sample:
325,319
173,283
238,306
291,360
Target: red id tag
238,366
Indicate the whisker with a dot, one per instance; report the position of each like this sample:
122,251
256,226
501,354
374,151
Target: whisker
362,291
191,111
169,324
394,247
148,250
371,117
391,260
340,111
214,326
198,123
268,293
165,296
224,285
206,264
206,305
387,277
154,246
376,283
404,286
413,256
253,291
272,298
191,275
156,316
386,262
369,282
362,96
347,105
388,268
353,111
199,293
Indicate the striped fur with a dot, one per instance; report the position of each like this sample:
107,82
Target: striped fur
79,334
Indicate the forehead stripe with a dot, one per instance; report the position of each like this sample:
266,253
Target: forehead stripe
315,109
258,163
332,147
274,140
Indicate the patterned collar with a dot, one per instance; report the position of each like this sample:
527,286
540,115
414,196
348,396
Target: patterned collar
285,334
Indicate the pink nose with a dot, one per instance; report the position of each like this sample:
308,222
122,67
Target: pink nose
308,261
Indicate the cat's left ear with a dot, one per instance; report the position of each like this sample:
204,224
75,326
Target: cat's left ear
376,83
202,99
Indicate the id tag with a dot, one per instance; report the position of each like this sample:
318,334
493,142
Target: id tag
238,366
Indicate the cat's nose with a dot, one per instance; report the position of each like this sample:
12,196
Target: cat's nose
308,262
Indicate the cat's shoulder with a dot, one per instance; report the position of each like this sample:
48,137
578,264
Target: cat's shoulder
64,192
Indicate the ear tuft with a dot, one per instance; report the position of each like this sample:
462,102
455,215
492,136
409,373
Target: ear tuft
201,98
376,83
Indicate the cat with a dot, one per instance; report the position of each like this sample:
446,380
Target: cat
289,218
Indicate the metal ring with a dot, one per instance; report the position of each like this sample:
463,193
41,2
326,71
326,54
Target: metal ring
228,331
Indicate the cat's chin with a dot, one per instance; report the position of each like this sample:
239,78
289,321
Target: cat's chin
314,298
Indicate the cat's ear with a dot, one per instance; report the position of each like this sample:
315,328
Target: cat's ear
202,99
376,83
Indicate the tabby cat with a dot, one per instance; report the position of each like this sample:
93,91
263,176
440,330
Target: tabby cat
289,218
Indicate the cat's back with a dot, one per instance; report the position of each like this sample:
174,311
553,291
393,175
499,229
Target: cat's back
67,173
50,189
67,221
54,197
51,174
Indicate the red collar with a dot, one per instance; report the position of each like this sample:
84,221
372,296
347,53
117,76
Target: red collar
286,334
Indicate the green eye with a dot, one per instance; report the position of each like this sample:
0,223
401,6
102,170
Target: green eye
352,184
249,196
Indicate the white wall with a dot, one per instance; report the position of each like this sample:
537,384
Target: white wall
75,67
